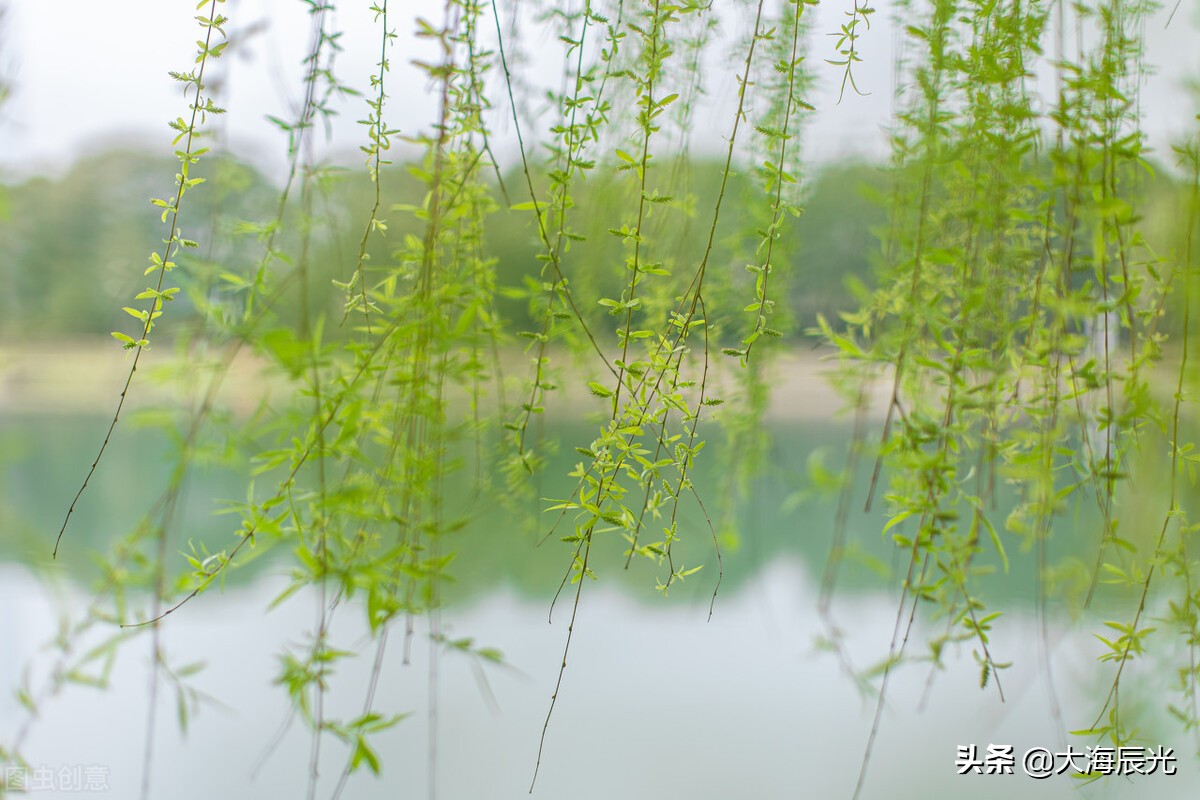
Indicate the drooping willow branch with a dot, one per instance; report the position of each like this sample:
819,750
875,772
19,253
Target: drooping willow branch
645,398
161,263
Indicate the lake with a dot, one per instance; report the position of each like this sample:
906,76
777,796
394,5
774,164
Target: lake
657,700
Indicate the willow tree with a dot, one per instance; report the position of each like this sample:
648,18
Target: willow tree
1019,322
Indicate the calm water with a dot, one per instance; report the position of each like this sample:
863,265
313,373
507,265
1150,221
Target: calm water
657,702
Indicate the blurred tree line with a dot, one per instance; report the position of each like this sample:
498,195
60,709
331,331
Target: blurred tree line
72,247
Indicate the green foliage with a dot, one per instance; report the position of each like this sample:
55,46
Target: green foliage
1017,322
1016,315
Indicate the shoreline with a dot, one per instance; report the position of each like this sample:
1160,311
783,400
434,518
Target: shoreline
86,376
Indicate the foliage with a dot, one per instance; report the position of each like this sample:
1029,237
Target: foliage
1017,322
1016,319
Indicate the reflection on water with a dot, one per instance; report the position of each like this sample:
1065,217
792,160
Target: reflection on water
657,702
779,516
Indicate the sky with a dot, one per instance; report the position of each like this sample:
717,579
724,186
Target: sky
87,75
